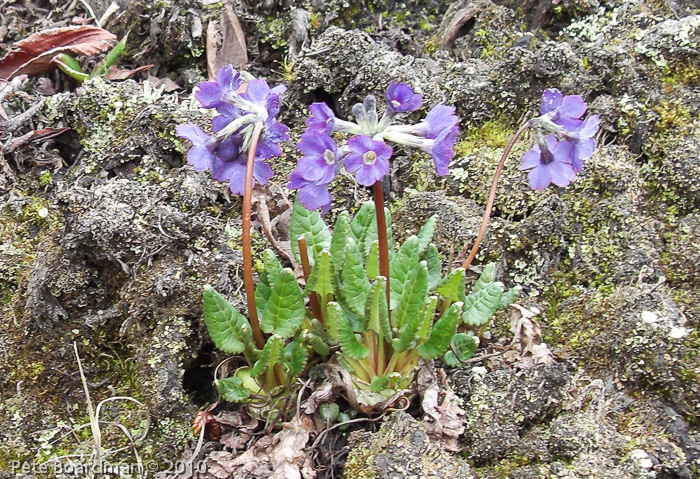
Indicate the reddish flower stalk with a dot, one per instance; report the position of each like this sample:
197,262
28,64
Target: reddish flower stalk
381,234
247,251
492,197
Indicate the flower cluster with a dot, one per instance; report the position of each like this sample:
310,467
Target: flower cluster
367,153
564,141
240,107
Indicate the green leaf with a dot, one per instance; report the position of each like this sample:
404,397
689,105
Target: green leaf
376,310
341,231
372,234
310,225
479,306
350,344
428,317
294,358
373,260
362,223
432,257
380,383
270,355
425,235
442,333
109,59
402,268
320,279
232,389
452,286
465,345
329,412
317,343
413,297
268,277
355,282
70,66
509,297
230,331
285,310
407,334
488,275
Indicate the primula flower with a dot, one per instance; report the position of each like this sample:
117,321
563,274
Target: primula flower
225,152
400,98
368,159
563,110
312,195
321,119
367,153
568,141
212,94
442,150
320,161
583,141
550,164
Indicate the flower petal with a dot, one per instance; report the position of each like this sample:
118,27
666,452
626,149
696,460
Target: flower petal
531,159
572,106
551,99
539,178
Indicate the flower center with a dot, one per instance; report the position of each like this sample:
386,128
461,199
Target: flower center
395,103
547,157
329,156
369,158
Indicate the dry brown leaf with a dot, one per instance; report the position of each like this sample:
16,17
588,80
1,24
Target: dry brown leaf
225,43
32,56
119,74
527,338
166,83
444,421
288,458
365,401
458,15
282,456
326,392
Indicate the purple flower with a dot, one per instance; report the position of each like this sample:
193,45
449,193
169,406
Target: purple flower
440,118
367,153
368,159
259,93
320,161
321,119
225,153
312,195
203,152
583,140
551,164
400,98
212,94
234,173
563,110
442,149
274,134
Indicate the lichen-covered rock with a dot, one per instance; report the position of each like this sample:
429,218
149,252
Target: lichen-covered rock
642,336
501,405
400,449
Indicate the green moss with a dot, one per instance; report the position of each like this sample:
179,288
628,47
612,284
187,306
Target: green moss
672,115
491,134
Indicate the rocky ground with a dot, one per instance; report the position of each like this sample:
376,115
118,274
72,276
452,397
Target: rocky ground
108,239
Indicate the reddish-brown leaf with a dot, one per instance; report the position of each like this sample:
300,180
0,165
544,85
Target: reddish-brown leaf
32,56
